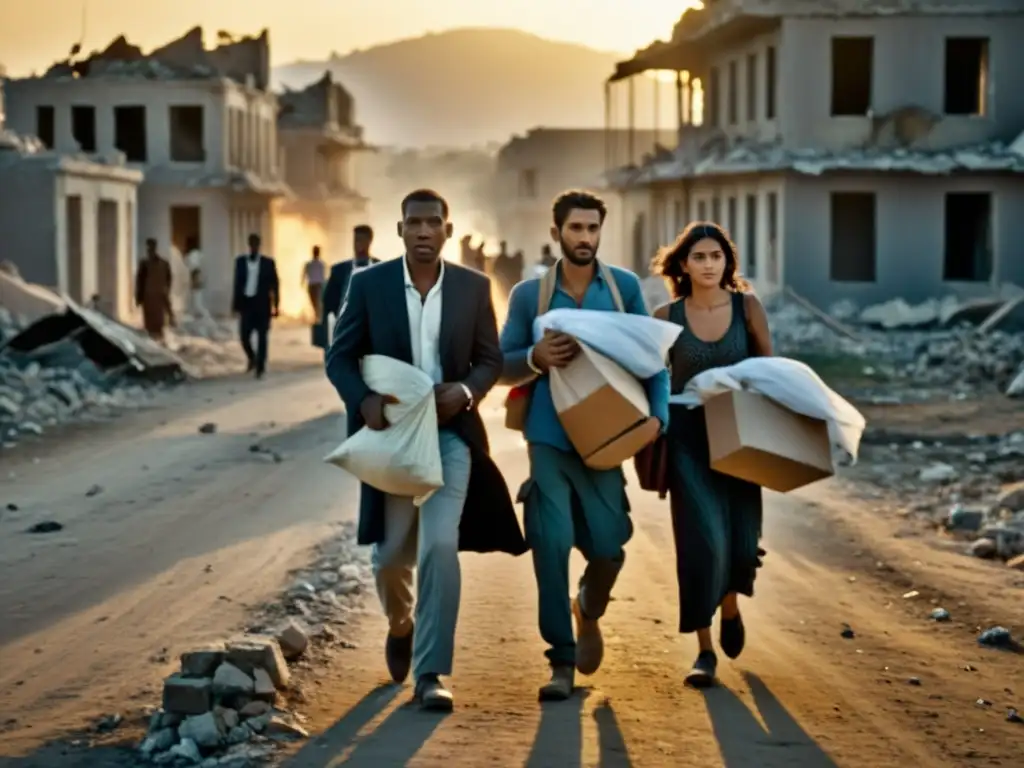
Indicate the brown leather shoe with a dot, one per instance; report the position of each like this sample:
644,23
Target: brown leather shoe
398,655
560,687
589,642
431,695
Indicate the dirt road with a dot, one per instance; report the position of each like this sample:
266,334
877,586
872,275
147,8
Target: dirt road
189,528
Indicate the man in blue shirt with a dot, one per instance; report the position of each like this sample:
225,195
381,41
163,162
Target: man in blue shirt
565,502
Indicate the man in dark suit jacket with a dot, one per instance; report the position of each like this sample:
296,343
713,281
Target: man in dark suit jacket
437,316
255,300
341,274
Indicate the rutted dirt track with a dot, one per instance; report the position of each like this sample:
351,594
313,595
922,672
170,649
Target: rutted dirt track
84,612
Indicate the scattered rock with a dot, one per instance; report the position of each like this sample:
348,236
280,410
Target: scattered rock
208,428
230,683
996,637
1013,716
256,652
202,662
187,696
293,640
206,730
984,548
939,614
938,473
847,632
47,526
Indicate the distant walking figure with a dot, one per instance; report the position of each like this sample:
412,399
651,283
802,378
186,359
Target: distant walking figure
153,291
313,276
256,300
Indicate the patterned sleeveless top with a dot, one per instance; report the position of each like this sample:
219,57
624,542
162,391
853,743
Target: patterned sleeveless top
690,355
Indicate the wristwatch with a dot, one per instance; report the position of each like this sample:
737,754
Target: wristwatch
469,396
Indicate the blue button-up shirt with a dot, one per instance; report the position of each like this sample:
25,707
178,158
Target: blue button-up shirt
542,423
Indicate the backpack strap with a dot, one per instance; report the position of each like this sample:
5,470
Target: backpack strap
547,288
613,287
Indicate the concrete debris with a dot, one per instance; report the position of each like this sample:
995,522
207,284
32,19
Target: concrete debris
904,352
234,703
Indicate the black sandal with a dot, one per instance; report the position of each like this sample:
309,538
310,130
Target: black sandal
703,673
732,636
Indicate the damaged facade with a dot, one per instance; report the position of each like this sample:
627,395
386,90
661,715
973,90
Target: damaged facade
856,151
321,143
66,220
200,124
535,168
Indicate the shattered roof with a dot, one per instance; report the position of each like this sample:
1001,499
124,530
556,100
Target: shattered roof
235,181
15,149
325,105
749,157
243,60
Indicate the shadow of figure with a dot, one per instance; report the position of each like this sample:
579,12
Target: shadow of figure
612,749
746,744
559,739
326,749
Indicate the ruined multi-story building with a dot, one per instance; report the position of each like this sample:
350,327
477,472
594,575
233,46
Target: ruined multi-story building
67,220
856,149
200,124
533,169
321,142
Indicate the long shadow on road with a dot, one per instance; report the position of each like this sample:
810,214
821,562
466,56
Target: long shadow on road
744,743
394,742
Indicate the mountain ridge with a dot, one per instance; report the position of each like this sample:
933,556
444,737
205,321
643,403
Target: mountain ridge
466,87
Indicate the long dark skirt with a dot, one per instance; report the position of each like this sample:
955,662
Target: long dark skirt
716,522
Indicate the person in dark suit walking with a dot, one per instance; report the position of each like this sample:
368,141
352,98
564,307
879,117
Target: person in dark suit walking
341,274
256,299
437,316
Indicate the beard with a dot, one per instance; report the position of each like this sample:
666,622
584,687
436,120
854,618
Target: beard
579,259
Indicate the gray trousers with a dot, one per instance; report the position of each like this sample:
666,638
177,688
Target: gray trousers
428,539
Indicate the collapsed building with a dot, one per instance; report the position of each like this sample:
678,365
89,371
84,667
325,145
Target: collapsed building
200,124
67,219
321,142
856,151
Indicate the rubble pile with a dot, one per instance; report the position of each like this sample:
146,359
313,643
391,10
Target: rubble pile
957,361
233,704
58,384
972,487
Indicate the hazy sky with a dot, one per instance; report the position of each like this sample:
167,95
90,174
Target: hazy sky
35,33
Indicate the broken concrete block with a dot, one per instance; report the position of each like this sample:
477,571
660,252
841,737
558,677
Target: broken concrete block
229,717
160,741
282,730
187,695
229,682
259,652
1016,563
293,640
206,730
202,662
254,709
264,689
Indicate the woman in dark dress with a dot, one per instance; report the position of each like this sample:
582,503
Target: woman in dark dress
716,519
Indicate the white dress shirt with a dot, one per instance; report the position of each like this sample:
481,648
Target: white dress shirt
252,279
425,324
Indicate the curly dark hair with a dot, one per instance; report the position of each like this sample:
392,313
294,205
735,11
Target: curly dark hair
573,199
669,260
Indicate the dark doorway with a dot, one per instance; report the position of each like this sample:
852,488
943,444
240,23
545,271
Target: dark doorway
73,228
853,237
186,128
185,225
852,73
968,252
83,127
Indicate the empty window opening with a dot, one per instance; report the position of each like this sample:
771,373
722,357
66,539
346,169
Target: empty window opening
108,249
751,244
966,75
83,127
73,232
45,126
714,96
528,184
852,70
130,133
773,237
968,253
853,237
639,251
734,93
185,221
187,134
730,222
769,83
751,87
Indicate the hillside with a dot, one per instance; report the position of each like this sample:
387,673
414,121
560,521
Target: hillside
469,86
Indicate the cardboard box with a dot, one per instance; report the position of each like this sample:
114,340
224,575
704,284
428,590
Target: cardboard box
755,439
603,409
